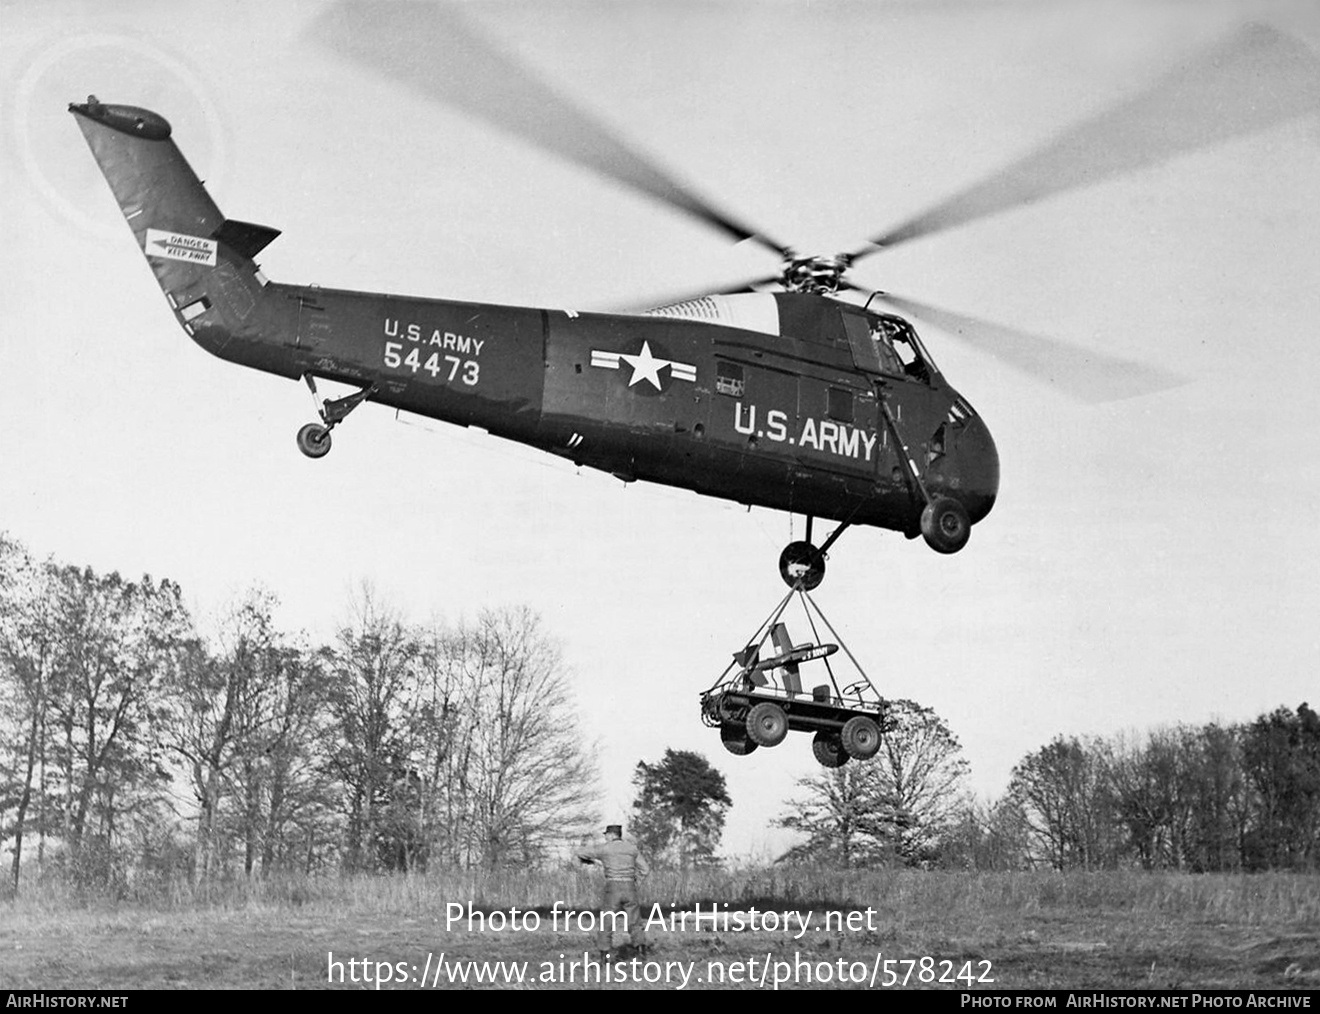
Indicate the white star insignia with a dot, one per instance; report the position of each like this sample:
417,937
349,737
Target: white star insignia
645,366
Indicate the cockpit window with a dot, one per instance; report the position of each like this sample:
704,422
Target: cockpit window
913,365
899,350
882,343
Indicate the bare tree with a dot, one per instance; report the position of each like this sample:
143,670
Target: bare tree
1148,785
115,645
1062,791
844,817
300,828
212,696
902,804
457,746
247,711
394,746
531,779
445,725
83,660
1219,800
988,836
373,682
26,635
922,776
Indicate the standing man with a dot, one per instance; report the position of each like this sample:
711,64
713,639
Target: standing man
624,865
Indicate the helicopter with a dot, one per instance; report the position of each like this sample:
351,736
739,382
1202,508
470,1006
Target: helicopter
797,400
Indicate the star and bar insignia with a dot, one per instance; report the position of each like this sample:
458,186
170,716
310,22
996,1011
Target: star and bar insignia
646,366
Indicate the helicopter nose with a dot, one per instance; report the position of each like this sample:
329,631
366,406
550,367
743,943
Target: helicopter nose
978,466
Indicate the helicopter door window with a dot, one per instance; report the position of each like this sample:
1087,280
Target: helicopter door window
729,379
839,405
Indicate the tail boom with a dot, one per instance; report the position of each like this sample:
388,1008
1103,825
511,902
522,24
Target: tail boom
201,260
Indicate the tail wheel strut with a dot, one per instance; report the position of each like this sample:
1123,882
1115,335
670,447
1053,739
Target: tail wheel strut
314,438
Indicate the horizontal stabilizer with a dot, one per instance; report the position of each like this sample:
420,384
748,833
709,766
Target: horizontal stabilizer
244,238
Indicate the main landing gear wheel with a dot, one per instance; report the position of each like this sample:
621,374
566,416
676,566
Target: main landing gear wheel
828,749
314,440
802,565
860,737
945,525
767,725
736,740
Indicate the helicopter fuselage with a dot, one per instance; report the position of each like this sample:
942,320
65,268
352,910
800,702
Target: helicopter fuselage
791,423
792,401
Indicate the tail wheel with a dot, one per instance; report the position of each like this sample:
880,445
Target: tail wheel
767,725
314,440
828,749
802,565
945,525
860,737
736,740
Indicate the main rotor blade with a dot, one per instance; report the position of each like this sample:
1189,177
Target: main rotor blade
431,48
1257,78
1082,374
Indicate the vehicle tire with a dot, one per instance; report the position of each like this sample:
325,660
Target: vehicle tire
767,725
801,565
314,440
829,750
735,740
945,525
860,737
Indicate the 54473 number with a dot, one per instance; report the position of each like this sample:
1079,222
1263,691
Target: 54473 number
467,370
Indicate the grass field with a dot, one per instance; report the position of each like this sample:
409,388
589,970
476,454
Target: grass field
1123,930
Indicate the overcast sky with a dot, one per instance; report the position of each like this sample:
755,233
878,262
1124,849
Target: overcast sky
1149,561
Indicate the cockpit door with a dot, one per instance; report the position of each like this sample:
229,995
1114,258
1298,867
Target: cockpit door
902,403
865,349
869,356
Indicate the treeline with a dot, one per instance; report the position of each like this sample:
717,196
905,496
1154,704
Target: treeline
1214,798
133,746
136,750
1208,798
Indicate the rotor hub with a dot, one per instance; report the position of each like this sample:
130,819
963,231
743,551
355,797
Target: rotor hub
815,274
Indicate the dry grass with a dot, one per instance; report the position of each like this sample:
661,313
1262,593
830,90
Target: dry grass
1039,930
